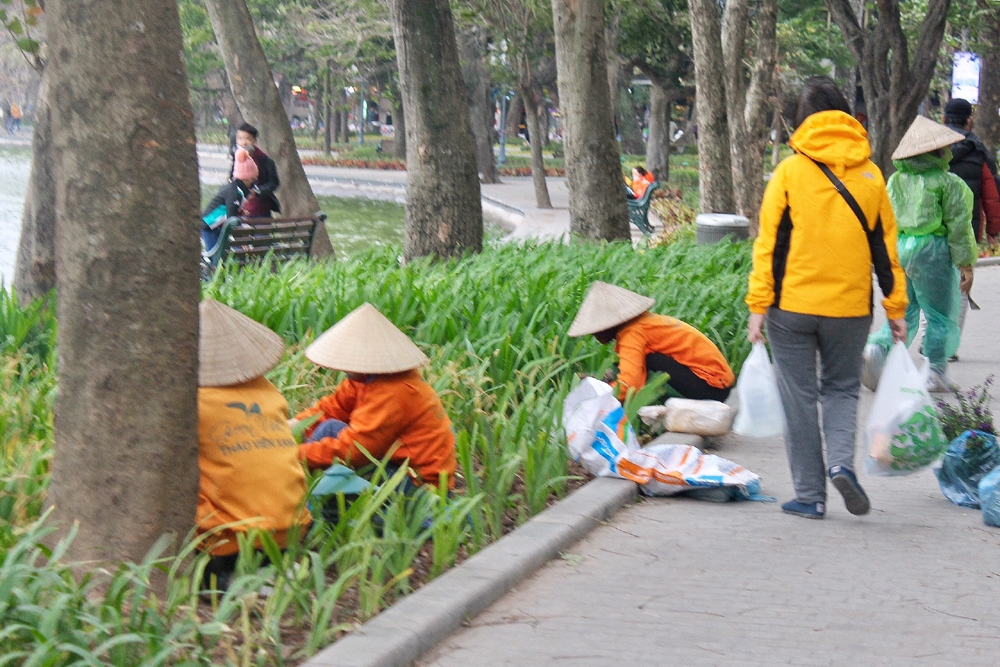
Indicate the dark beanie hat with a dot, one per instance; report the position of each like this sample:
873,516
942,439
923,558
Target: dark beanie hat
957,111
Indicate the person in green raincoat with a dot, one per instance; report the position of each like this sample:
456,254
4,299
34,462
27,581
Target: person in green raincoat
937,249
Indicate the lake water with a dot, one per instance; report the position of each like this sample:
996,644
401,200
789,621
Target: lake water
15,164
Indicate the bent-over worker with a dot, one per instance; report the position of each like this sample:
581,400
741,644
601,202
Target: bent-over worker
648,342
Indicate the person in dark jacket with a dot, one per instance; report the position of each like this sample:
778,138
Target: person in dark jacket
968,157
974,164
264,200
234,195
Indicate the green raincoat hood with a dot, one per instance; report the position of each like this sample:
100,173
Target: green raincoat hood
929,201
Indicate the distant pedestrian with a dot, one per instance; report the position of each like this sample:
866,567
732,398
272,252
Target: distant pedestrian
973,162
15,117
825,221
262,200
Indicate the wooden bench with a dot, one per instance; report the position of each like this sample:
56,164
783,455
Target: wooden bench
249,240
638,209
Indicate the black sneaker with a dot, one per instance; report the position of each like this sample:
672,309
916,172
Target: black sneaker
854,496
806,510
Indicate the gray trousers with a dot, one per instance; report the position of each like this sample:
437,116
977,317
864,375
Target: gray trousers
795,339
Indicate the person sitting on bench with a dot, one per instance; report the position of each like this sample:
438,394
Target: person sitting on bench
230,200
646,342
248,459
383,406
641,180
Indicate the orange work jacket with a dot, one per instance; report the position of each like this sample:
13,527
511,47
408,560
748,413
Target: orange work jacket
381,410
650,333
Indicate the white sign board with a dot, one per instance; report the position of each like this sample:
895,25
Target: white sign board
965,77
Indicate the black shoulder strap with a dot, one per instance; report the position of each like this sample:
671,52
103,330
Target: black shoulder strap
846,194
876,241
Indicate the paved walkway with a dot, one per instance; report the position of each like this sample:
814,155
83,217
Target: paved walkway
682,582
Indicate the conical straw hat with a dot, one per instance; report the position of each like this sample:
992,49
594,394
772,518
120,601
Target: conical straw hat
607,306
925,136
233,348
365,341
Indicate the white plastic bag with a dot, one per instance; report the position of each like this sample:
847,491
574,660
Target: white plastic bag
597,431
903,432
760,413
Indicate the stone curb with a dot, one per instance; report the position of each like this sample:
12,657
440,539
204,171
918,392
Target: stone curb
988,261
401,634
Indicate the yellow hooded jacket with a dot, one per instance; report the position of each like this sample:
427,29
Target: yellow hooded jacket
811,255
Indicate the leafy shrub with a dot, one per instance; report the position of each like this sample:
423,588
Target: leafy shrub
972,413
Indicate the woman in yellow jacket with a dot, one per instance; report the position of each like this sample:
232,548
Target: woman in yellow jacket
825,221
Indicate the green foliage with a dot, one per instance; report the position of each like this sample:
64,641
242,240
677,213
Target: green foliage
494,327
808,43
18,20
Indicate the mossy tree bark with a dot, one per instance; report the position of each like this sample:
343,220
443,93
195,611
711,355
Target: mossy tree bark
593,166
127,251
444,214
253,87
472,49
715,178
658,142
35,267
988,124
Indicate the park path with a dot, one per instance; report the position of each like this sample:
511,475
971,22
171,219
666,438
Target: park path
683,582
510,204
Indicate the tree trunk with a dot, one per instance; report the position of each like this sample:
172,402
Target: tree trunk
893,87
658,143
253,87
987,120
715,177
328,116
776,130
472,49
542,199
514,110
593,167
399,131
320,104
628,124
35,268
444,214
345,131
127,251
747,103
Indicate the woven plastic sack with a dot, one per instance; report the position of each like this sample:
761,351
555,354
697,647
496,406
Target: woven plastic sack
686,415
666,470
970,458
597,431
903,431
760,414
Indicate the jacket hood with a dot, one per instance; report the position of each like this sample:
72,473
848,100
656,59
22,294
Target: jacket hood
919,164
832,137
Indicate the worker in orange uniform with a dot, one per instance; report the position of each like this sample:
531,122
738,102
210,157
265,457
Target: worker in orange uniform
384,405
646,342
250,471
